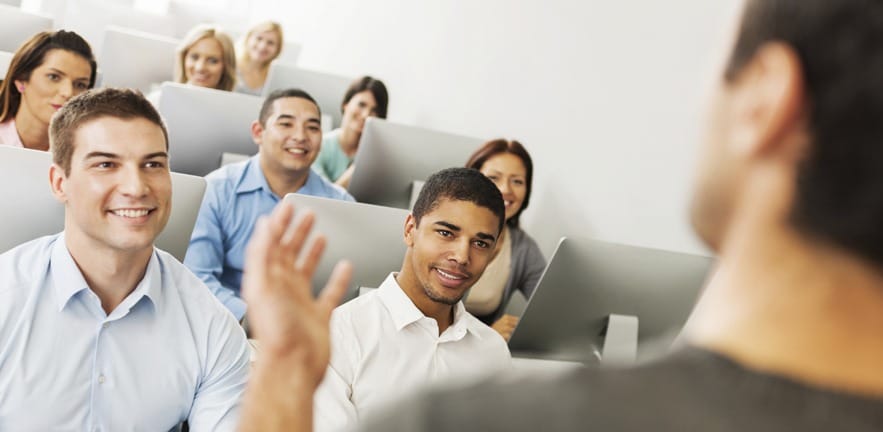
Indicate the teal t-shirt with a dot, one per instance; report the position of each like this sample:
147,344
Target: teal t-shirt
332,161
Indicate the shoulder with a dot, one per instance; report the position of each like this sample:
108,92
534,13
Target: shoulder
228,175
524,246
329,189
488,336
365,309
25,262
194,295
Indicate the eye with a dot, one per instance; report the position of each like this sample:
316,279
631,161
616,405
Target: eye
445,233
285,124
154,164
518,182
193,56
213,60
104,165
314,128
482,244
493,178
81,85
53,76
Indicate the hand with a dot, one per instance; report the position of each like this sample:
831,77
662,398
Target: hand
505,326
290,324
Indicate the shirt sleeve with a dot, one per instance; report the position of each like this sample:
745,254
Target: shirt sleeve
217,403
333,407
205,254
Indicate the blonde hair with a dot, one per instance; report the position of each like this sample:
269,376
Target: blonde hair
198,33
259,27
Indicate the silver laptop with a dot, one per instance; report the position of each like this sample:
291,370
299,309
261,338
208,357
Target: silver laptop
31,211
393,156
135,59
370,237
588,280
327,89
205,123
17,26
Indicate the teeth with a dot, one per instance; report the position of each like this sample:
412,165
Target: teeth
297,151
507,203
447,275
131,213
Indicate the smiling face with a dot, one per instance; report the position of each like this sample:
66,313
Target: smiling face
62,75
263,46
361,106
204,63
508,172
291,137
447,251
117,194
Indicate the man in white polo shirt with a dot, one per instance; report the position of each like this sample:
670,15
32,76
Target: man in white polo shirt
414,330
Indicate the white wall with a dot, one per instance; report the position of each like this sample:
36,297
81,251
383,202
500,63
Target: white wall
606,95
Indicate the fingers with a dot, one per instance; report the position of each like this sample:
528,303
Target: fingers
336,287
293,237
313,256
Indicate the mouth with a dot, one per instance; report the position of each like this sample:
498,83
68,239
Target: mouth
451,278
137,214
56,107
297,151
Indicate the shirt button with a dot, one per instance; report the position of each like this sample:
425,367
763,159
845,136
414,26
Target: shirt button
105,325
101,379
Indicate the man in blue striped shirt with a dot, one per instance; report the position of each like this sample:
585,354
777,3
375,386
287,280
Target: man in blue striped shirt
99,330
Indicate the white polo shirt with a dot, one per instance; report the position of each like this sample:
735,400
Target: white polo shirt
383,348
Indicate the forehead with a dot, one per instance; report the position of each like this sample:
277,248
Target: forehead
206,44
133,137
470,217
295,106
66,61
505,162
364,95
266,34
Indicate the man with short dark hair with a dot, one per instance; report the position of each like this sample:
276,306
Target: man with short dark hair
413,330
288,133
99,330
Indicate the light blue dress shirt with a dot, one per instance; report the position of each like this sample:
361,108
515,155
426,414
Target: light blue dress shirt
169,352
236,195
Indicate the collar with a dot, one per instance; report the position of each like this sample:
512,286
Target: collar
68,281
404,312
253,179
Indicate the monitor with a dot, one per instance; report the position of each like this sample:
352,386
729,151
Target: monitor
205,123
392,157
327,89
370,237
153,64
588,280
5,60
32,210
17,26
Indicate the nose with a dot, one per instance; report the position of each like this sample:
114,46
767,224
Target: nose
503,185
200,65
459,251
133,183
66,89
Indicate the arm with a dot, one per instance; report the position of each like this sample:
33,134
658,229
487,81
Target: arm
205,255
344,179
217,404
291,325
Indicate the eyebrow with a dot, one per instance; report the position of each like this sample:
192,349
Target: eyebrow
455,228
116,156
291,117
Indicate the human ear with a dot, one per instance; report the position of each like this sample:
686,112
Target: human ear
57,182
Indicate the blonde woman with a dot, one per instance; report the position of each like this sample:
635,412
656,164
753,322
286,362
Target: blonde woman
260,46
206,58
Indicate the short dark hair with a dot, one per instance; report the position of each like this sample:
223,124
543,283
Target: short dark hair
377,89
459,184
498,146
93,104
30,55
839,190
267,107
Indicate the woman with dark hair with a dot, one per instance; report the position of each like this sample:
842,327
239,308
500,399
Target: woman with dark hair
45,72
366,97
518,262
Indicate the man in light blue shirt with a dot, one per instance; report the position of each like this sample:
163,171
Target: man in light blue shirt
288,133
99,330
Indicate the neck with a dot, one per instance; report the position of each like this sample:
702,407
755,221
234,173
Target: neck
443,314
112,275
349,141
34,133
788,305
283,183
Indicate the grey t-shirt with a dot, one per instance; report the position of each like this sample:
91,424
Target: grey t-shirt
690,390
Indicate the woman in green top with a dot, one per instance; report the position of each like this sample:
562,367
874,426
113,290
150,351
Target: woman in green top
366,97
